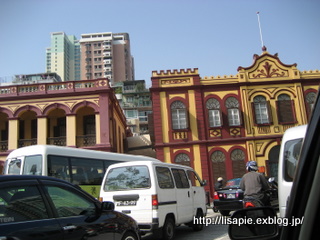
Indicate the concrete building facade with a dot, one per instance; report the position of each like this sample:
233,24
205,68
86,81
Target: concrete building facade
135,100
63,56
106,55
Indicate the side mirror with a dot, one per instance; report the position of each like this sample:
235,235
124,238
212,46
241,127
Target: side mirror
270,180
204,183
107,206
254,223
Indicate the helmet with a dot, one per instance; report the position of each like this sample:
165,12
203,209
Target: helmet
220,179
252,166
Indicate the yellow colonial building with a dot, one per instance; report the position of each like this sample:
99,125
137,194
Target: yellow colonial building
217,124
82,114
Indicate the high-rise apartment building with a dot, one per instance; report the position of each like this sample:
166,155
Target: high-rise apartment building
106,55
63,56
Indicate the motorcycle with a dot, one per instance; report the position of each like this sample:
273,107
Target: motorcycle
254,202
251,202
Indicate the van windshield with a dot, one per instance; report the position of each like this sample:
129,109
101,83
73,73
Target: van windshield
14,166
291,156
127,178
32,165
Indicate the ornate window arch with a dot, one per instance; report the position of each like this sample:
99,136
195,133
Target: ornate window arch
218,159
310,100
179,115
262,111
238,166
214,112
285,109
183,159
232,105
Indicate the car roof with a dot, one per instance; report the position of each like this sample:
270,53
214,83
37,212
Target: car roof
149,163
29,177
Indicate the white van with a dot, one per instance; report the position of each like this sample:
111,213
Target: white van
159,196
288,159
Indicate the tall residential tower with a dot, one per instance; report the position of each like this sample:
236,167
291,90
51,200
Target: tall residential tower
106,55
63,56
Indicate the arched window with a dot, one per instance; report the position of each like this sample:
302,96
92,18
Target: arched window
232,105
218,159
262,111
182,159
214,112
310,100
178,115
285,109
238,166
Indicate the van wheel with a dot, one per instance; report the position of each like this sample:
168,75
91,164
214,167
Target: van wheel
168,229
199,225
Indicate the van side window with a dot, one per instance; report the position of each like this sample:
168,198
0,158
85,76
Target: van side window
164,177
291,155
180,178
195,181
32,165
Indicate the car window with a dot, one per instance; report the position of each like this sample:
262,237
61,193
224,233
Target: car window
126,178
180,178
164,177
233,183
68,203
21,203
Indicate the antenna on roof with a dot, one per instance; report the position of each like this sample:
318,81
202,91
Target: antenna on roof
262,45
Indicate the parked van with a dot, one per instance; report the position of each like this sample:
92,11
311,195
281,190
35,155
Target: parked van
159,196
288,159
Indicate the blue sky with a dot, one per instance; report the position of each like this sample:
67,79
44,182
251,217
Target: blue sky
216,36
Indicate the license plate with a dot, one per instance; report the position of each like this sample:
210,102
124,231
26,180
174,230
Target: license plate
126,203
231,195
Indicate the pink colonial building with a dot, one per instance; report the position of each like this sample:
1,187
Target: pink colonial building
81,114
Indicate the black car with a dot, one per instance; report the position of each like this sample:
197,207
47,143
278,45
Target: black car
301,220
229,197
37,207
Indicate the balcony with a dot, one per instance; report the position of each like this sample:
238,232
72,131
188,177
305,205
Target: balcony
58,141
3,146
86,140
27,142
53,88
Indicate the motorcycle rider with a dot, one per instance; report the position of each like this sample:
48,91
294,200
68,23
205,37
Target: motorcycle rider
219,184
255,184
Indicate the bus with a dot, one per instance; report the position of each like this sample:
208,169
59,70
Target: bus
83,167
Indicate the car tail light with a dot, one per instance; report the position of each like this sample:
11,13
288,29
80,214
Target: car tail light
155,202
215,196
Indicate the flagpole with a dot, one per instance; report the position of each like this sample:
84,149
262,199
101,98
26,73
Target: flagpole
260,29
